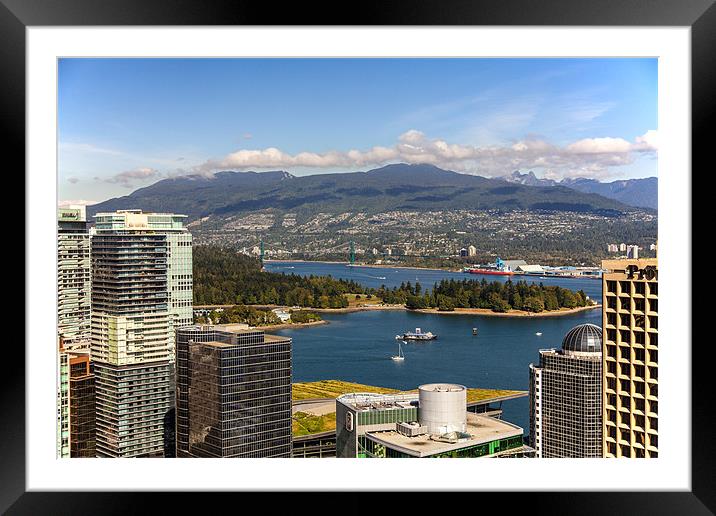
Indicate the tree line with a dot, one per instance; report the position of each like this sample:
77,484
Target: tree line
221,276
497,296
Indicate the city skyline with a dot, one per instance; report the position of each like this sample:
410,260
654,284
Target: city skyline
127,123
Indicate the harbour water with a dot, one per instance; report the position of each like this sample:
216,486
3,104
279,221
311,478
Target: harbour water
357,346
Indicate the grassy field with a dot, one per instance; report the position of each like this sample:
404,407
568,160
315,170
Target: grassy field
362,301
305,424
333,389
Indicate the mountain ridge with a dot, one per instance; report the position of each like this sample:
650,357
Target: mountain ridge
639,192
421,187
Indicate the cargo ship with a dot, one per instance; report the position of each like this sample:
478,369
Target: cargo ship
416,335
494,272
498,269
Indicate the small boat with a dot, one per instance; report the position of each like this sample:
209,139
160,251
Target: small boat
418,334
380,277
399,356
474,331
539,333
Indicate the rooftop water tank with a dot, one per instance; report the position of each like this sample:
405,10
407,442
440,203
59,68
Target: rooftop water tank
443,407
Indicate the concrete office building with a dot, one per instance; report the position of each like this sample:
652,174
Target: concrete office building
73,278
141,292
233,396
630,358
566,397
432,423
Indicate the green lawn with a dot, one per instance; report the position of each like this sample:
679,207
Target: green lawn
363,300
305,424
332,389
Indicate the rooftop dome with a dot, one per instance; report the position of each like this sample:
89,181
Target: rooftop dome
585,338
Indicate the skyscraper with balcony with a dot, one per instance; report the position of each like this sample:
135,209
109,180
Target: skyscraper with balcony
141,292
73,278
630,358
566,397
233,393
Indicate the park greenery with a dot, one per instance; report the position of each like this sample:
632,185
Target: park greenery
224,277
253,316
447,295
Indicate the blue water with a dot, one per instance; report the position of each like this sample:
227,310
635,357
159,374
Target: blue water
374,277
357,346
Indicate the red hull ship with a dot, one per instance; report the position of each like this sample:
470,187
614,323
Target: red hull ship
492,272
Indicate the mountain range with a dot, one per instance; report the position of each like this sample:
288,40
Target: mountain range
641,193
392,187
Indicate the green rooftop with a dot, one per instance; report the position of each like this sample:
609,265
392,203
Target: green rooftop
307,424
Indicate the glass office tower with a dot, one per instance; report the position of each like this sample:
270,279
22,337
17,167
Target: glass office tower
141,292
233,393
566,397
81,405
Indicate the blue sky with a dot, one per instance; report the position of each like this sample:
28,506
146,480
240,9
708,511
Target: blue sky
126,123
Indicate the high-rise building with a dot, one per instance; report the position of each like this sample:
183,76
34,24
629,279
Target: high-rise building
630,358
633,252
141,292
613,248
566,396
471,250
63,401
233,396
73,278
622,247
81,405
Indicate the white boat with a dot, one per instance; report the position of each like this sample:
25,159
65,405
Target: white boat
399,356
539,333
380,277
418,334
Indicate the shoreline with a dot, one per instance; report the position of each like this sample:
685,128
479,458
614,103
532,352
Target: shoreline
373,265
289,326
517,275
486,312
512,313
459,311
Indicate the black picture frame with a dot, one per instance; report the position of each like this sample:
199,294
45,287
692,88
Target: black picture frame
699,15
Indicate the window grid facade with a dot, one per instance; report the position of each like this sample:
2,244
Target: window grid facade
233,394
82,406
630,360
566,405
73,278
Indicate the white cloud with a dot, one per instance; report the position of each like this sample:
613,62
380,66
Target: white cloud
77,202
129,177
590,156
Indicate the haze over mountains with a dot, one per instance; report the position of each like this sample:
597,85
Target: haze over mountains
392,187
641,193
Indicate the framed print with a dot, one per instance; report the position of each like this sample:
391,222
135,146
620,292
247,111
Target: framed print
427,231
